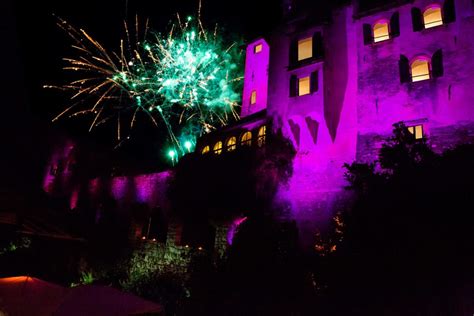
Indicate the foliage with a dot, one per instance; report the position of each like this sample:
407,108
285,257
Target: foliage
20,243
85,278
409,236
158,272
251,174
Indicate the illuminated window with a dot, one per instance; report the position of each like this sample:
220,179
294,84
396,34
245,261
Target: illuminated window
231,144
218,148
258,48
432,17
304,87
305,48
262,134
246,139
253,97
420,70
381,32
205,150
417,131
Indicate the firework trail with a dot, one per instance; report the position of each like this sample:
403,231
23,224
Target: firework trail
187,81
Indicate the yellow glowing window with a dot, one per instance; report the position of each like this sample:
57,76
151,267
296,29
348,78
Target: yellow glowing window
258,48
246,139
417,131
305,48
432,17
253,97
304,86
420,70
205,150
218,148
231,144
262,134
381,32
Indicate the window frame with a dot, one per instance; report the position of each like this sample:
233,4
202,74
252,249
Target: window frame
218,148
308,78
253,97
421,58
412,129
205,150
262,138
246,142
388,36
430,7
231,146
299,42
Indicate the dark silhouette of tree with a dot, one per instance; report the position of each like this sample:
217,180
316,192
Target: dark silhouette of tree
409,242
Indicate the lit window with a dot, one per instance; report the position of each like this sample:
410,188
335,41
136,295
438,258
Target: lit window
231,144
305,48
262,132
258,48
205,150
432,17
246,139
417,131
218,148
381,32
420,70
304,86
253,97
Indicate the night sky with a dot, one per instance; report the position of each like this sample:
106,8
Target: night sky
37,46
31,50
43,44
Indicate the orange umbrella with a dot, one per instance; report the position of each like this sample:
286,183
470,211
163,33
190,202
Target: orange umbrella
24,295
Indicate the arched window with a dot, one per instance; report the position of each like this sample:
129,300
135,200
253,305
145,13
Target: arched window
432,17
218,148
381,32
205,150
261,138
420,70
246,139
231,144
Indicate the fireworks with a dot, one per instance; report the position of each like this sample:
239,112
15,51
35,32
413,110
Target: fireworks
186,81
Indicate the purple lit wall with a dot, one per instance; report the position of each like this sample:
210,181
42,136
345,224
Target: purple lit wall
322,125
58,173
256,77
442,105
233,229
149,189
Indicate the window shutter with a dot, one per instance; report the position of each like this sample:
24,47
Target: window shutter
368,37
293,86
404,66
314,81
437,64
318,46
417,20
293,52
395,25
449,12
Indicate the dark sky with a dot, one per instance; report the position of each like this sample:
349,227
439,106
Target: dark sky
43,45
32,47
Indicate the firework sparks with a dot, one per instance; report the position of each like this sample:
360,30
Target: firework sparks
186,81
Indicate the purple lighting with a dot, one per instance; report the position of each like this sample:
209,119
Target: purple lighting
234,228
254,98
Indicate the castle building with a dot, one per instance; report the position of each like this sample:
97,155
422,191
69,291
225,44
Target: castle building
334,81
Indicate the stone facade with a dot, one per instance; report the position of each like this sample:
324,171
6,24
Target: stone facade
357,93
